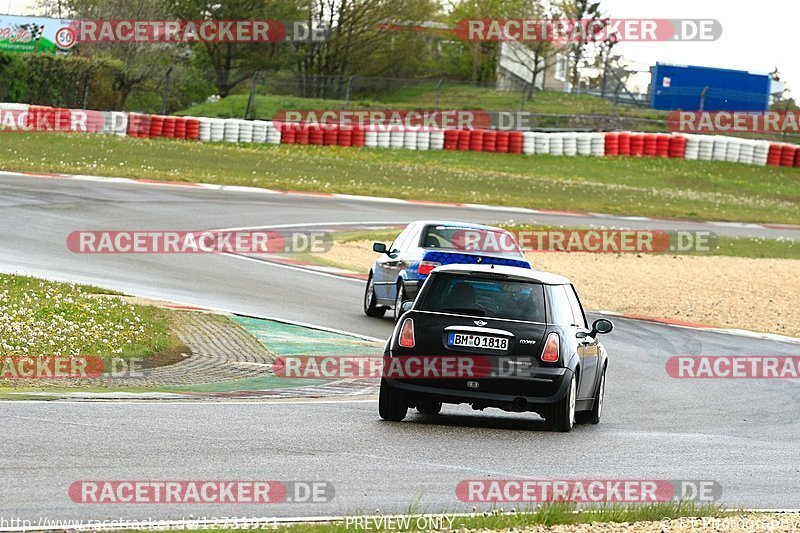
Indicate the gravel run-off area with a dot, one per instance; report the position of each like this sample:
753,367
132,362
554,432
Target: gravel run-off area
731,292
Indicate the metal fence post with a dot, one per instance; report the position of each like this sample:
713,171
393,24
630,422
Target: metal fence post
437,94
522,96
347,93
250,111
614,117
86,91
703,98
165,95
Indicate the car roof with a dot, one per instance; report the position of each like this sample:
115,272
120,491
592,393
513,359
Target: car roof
524,274
469,225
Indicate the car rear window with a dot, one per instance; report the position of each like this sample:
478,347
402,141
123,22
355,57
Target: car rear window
497,298
471,240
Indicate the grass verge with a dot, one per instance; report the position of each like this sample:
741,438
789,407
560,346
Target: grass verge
723,246
424,97
550,514
44,318
631,186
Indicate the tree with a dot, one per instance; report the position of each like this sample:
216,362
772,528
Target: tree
357,34
482,56
233,63
535,56
144,62
589,13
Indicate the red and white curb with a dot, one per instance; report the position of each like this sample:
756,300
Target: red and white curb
379,199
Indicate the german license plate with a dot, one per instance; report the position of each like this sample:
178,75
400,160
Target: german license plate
477,341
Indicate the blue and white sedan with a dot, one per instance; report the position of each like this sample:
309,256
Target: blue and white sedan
424,245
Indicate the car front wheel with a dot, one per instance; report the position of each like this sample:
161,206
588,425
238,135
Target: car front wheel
391,404
370,306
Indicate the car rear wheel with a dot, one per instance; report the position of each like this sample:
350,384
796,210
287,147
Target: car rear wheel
391,404
370,306
593,416
562,414
429,407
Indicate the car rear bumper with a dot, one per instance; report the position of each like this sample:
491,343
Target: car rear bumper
537,391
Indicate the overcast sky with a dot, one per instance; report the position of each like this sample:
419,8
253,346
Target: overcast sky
756,36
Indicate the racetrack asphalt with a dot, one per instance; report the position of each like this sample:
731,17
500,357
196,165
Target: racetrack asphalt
742,433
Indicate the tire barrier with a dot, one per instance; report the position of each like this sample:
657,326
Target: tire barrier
676,146
205,129
503,144
515,142
569,144
371,138
692,147
410,140
612,144
490,141
747,152
231,131
423,140
774,155
245,131
788,155
706,150
463,140
528,142
542,143
734,151
345,136
598,144
260,131
720,148
650,146
217,129
475,140
437,140
584,143
624,143
761,153
384,138
662,144
637,144
396,137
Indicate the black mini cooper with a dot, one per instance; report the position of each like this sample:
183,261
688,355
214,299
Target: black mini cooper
495,336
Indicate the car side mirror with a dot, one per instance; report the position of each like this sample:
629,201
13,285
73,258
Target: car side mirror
407,305
601,326
380,248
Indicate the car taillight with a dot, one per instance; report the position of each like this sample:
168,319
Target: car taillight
426,267
550,353
407,334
